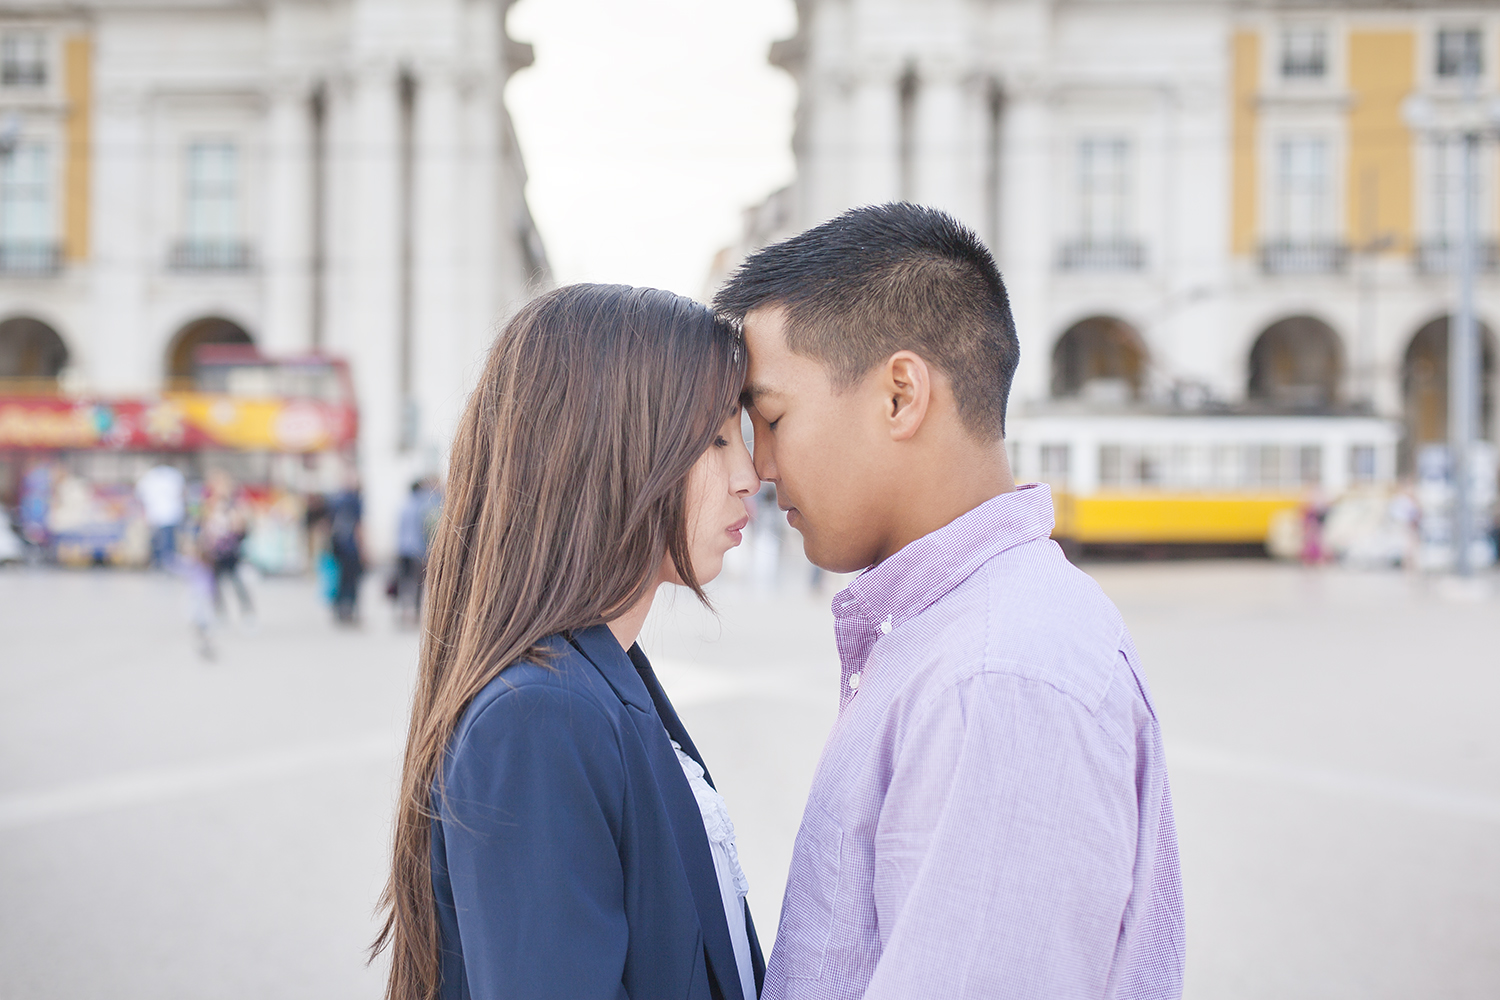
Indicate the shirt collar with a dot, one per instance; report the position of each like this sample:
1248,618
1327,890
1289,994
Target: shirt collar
889,594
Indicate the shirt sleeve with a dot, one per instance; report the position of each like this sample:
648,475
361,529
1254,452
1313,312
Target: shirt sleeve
1004,848
530,825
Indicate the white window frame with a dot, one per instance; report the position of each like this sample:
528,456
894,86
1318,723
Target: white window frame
28,204
1283,223
1103,217
1284,37
11,39
229,204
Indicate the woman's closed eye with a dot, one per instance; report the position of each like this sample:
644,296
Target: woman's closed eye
721,442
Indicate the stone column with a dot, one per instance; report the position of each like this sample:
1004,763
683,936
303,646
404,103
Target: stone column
286,250
1027,240
949,131
874,146
369,299
438,268
122,355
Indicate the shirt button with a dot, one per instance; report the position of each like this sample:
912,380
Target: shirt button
885,626
854,682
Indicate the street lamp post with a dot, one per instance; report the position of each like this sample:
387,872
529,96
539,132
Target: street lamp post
1462,369
1472,124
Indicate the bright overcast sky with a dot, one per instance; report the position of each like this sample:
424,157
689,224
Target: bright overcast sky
647,126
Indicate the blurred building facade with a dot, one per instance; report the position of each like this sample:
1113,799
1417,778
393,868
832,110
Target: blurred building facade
335,177
1198,202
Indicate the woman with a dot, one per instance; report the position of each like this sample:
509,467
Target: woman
550,840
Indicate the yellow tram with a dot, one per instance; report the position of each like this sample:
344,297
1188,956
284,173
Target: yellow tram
1186,478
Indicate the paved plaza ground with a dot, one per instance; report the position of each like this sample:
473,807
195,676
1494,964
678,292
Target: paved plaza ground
171,828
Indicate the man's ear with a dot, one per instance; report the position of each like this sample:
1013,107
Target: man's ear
908,393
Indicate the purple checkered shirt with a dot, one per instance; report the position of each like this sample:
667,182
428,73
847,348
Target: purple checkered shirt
990,816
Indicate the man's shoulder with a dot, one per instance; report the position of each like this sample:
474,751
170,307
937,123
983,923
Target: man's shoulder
1030,614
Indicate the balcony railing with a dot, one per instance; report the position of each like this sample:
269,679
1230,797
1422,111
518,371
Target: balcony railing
1109,255
1441,256
1303,257
210,255
30,257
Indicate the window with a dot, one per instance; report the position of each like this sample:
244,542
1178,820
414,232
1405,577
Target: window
23,59
1303,54
1303,200
1210,467
1459,52
211,219
26,218
28,237
1362,463
1103,190
1448,189
212,193
1054,459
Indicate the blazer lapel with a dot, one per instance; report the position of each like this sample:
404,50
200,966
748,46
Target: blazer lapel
600,646
669,718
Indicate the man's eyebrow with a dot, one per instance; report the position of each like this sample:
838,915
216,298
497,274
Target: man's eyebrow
753,392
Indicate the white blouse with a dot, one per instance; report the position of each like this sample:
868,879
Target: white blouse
732,883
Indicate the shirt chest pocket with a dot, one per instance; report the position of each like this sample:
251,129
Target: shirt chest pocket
807,918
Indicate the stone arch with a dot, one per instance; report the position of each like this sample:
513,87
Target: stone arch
1296,362
1101,358
32,353
182,352
1424,383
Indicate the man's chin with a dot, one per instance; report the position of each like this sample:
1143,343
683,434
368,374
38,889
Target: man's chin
831,561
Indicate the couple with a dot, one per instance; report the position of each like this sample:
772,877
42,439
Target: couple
990,817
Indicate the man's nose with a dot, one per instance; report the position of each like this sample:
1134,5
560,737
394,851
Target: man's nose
765,461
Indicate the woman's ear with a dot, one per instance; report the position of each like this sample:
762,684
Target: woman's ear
908,391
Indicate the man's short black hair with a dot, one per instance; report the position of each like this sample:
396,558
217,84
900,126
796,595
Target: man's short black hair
885,278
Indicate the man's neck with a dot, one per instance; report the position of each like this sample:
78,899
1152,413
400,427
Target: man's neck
941,494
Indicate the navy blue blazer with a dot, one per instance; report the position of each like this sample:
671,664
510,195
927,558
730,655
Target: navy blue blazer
569,858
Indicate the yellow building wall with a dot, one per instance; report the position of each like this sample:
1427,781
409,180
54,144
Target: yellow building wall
1243,115
1382,73
78,90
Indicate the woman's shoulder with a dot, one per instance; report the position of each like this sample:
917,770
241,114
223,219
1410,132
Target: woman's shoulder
555,682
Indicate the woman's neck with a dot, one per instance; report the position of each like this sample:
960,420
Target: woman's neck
628,626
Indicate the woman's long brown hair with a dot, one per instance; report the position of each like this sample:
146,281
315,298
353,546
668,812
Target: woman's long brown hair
566,491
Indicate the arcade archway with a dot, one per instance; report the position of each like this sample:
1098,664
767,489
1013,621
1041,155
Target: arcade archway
1424,383
1296,363
1100,358
181,354
32,354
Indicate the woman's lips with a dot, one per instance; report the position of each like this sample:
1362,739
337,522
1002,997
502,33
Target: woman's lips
735,529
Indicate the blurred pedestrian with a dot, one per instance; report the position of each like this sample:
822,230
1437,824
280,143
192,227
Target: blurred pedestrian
1405,515
414,530
766,538
36,505
1314,514
195,566
226,522
346,541
161,491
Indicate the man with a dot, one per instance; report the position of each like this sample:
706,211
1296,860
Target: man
414,529
346,539
990,817
161,493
